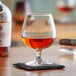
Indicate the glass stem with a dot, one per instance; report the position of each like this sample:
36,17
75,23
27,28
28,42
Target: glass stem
38,57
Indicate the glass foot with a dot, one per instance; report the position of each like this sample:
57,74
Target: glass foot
66,20
36,63
38,60
70,51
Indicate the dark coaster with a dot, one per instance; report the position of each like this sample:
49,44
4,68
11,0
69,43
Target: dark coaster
43,67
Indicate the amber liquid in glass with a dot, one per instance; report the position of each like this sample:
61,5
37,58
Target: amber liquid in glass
65,9
37,43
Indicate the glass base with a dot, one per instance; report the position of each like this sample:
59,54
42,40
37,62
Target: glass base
70,51
35,63
66,20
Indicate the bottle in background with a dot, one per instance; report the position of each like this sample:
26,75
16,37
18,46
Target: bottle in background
5,29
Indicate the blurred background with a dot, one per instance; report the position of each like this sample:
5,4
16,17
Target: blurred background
18,6
37,5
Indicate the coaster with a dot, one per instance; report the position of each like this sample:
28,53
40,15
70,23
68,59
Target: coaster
43,67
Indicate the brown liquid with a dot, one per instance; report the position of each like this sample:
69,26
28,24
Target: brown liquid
65,9
37,43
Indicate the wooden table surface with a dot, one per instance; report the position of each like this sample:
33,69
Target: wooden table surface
51,54
5,67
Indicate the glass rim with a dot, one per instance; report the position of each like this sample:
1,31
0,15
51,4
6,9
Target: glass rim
39,14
